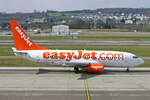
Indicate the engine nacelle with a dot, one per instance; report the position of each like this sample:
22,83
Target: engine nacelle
96,68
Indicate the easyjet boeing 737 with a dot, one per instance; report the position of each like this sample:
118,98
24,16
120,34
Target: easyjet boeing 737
92,61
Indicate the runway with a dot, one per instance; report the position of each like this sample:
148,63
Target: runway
59,83
79,42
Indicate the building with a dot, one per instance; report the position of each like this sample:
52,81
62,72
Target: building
128,22
60,30
38,20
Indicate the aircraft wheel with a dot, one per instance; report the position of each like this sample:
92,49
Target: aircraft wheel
76,69
127,70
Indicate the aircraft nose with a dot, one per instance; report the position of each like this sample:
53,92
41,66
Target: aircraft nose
141,61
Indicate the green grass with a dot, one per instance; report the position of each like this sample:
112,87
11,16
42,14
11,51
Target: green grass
6,51
110,37
6,38
17,62
116,38
146,28
138,50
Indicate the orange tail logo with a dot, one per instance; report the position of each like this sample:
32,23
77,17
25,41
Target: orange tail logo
21,39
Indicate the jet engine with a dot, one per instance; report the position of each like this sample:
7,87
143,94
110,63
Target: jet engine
96,68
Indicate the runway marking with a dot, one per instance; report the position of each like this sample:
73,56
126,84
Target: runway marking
87,89
86,86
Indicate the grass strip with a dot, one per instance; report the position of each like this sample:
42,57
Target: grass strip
108,38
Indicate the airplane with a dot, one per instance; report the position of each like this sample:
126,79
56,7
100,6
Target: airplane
91,61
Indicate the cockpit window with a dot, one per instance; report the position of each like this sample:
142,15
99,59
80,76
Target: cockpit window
135,57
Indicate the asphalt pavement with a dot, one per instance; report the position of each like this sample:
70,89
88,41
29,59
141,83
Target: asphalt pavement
61,83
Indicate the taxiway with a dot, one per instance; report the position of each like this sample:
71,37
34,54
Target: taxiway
79,42
59,83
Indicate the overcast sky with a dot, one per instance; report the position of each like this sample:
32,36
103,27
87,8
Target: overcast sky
67,5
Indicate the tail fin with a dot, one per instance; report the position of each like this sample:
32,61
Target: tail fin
21,39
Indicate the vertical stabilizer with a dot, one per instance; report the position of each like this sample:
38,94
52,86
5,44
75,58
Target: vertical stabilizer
21,39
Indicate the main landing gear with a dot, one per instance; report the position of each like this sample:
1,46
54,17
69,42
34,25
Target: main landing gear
127,70
76,69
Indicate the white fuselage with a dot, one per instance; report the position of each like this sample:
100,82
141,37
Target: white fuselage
82,57
25,47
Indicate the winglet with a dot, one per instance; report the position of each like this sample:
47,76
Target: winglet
21,39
